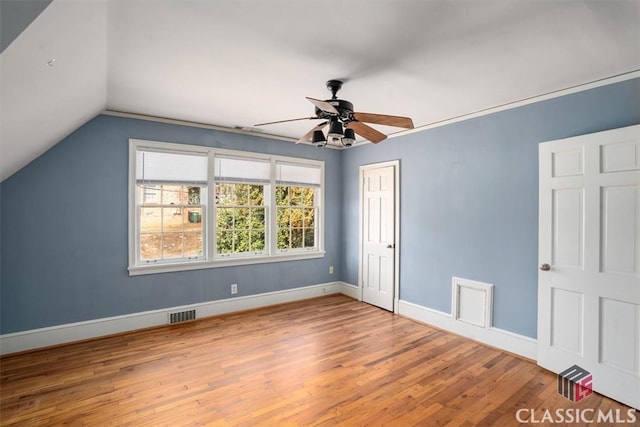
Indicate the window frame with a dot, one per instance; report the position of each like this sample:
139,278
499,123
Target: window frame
210,258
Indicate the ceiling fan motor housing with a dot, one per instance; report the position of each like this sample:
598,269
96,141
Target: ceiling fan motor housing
345,110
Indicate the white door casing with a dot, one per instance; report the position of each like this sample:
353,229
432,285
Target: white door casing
379,234
589,251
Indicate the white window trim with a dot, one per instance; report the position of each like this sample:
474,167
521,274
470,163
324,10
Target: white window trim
210,260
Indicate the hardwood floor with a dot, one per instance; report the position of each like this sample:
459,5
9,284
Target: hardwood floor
326,361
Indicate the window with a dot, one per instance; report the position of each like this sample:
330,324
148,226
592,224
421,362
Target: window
264,208
241,219
171,194
296,207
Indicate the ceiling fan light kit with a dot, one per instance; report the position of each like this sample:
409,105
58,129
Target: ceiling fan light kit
335,130
349,137
318,139
344,123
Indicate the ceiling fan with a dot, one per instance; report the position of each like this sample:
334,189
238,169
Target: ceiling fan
343,122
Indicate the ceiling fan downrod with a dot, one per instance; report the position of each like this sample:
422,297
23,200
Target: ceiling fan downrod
334,86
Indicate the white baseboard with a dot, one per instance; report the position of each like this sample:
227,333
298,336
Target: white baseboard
60,334
350,290
495,337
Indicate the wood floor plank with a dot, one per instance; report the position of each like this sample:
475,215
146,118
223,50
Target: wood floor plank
322,362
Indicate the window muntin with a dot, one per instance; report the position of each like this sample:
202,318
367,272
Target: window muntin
172,227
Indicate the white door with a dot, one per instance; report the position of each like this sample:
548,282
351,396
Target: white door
378,202
589,251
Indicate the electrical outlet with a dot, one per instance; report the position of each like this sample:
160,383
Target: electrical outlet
234,288
331,269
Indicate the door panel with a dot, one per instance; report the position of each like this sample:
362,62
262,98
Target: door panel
620,230
620,335
378,245
567,320
567,231
589,235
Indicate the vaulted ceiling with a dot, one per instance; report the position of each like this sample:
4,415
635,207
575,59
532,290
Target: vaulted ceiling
235,63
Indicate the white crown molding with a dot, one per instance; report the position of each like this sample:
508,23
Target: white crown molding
484,112
510,105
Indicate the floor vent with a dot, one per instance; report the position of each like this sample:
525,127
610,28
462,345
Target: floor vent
182,316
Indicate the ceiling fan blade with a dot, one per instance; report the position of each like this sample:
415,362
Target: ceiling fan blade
307,136
288,120
367,132
323,105
383,119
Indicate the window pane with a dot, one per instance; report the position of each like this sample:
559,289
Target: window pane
309,217
295,196
242,219
283,217
192,219
241,194
172,245
149,194
296,238
296,217
171,219
241,241
193,195
224,218
282,196
256,195
150,220
193,244
309,238
150,246
224,242
283,238
257,241
308,196
257,218
173,195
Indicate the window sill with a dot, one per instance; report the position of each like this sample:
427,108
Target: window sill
229,262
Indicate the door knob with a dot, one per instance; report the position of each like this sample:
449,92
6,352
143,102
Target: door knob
545,267
390,246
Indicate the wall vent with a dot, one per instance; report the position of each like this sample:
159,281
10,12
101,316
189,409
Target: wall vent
472,302
182,316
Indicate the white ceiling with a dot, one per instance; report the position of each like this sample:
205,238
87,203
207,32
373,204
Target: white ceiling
234,63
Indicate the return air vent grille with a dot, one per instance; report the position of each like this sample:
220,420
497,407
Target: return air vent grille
182,316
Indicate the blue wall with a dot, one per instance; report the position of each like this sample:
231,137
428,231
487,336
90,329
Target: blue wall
64,231
468,208
469,198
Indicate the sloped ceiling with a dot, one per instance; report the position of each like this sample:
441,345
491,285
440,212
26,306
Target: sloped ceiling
234,63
